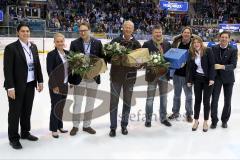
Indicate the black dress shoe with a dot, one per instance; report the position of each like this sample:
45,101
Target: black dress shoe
224,125
30,137
62,130
16,145
213,125
55,136
173,116
148,124
166,123
124,131
112,133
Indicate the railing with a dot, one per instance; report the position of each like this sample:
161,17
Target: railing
9,31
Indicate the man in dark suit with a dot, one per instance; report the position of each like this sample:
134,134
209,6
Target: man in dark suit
92,47
157,44
226,61
122,77
57,69
22,72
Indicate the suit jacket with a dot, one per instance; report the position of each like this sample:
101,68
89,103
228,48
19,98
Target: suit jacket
229,59
95,50
152,48
207,63
16,68
119,73
55,69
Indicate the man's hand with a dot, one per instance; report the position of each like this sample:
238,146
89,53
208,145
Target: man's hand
40,87
189,84
11,94
219,66
56,90
211,82
71,85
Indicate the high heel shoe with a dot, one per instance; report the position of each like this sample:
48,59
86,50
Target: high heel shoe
205,127
62,130
194,128
55,135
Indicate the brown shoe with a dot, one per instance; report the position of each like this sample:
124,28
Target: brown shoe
74,131
89,130
189,119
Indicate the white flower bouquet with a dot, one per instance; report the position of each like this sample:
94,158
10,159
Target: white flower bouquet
87,67
157,66
115,52
111,50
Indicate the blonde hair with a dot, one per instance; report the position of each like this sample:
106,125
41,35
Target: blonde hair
56,35
193,50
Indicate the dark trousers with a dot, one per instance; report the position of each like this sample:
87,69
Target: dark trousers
227,90
20,109
202,89
114,99
57,105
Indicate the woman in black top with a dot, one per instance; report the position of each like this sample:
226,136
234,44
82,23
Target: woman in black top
201,73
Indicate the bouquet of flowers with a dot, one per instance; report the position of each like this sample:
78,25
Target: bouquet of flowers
78,63
87,67
157,66
111,50
115,52
120,55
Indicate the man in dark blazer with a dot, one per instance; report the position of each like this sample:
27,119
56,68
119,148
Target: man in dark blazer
225,63
92,47
157,44
122,77
22,72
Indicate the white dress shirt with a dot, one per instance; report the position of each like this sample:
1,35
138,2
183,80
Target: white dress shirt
65,64
30,61
198,63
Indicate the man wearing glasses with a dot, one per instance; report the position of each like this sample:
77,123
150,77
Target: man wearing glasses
92,47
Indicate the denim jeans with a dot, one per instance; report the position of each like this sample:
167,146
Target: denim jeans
151,90
179,83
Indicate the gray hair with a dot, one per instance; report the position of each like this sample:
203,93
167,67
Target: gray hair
128,22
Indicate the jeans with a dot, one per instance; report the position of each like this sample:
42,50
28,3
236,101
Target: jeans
151,90
179,82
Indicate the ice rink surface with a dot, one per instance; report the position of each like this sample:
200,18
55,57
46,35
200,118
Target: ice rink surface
157,142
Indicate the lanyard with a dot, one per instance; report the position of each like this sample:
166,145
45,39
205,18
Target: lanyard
29,54
85,50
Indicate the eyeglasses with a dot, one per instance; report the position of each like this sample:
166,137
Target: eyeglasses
83,30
